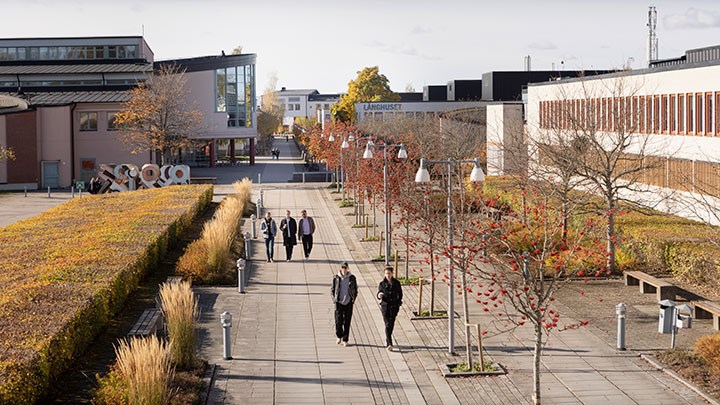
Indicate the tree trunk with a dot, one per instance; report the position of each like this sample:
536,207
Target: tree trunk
432,284
536,360
610,260
407,249
565,219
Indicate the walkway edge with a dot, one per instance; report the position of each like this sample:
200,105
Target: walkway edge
651,360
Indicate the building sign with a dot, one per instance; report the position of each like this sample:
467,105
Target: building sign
382,107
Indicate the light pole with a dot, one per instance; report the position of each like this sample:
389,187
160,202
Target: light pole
402,154
423,176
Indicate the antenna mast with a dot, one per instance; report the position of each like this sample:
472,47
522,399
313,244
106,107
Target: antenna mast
652,45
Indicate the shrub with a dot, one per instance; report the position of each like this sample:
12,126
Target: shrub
67,271
708,349
145,366
193,264
180,310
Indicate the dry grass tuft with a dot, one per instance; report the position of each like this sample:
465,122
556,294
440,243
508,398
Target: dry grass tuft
146,368
180,309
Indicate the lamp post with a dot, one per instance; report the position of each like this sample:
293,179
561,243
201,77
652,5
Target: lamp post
402,154
423,176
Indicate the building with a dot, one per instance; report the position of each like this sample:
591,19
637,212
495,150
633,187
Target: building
435,93
464,90
73,88
671,110
419,109
508,85
304,103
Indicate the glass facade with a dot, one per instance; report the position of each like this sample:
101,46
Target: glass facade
93,52
235,94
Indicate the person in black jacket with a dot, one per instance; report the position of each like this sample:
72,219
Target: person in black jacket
288,227
390,295
344,292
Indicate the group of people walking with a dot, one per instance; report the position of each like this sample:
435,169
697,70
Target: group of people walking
344,290
292,231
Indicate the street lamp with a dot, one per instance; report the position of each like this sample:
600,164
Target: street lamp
423,176
402,154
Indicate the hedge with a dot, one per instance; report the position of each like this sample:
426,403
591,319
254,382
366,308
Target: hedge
67,271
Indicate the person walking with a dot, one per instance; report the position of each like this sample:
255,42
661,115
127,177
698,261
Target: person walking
344,292
306,229
289,229
390,296
269,230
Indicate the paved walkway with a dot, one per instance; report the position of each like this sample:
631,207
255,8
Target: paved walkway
284,346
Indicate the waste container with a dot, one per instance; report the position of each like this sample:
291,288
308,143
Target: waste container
667,318
684,316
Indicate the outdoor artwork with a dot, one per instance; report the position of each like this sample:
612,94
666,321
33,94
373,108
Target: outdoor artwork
127,177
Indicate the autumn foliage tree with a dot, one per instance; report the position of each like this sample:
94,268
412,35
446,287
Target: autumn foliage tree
369,86
158,117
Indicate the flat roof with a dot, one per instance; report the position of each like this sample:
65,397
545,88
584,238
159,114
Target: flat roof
74,69
210,62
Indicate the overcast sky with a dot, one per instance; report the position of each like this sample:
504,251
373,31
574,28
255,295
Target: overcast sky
322,44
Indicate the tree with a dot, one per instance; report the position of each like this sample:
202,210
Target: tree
237,50
369,86
6,154
270,116
158,117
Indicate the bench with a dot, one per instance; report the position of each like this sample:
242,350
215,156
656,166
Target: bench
147,324
650,284
706,310
203,180
174,280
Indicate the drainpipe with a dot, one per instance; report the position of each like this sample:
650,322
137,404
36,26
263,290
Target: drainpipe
72,144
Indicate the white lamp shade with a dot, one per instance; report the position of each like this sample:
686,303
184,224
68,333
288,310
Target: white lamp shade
371,143
345,144
402,153
477,174
422,175
331,138
351,138
368,153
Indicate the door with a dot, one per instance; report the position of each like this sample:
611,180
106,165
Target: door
51,174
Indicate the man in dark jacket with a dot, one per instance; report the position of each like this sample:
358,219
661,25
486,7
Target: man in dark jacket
344,292
390,295
288,227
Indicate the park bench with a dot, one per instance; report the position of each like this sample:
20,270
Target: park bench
650,284
147,324
173,279
203,180
707,309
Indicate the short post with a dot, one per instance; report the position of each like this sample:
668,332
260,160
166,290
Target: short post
262,197
72,191
25,191
420,281
621,310
259,207
226,321
253,220
241,275
246,236
80,193
49,192
259,178
303,177
480,349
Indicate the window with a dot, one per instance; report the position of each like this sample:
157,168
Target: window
708,113
297,107
699,113
641,115
673,115
291,107
656,115
690,114
664,113
648,114
88,121
717,114
681,114
112,124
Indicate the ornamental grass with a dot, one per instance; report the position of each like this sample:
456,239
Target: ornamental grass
145,367
67,271
180,310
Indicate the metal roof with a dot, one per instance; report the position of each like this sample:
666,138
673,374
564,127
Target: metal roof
323,97
297,92
75,68
69,97
10,104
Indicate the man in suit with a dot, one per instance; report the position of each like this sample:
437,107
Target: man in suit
305,233
288,227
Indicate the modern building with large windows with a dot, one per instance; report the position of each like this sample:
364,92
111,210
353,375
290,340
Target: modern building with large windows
73,88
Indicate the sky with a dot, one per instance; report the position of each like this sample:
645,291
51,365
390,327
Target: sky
323,44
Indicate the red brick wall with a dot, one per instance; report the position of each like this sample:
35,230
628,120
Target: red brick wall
21,132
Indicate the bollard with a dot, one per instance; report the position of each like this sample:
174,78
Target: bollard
259,178
241,275
49,192
80,194
246,236
303,176
25,191
72,191
226,321
262,197
253,220
621,310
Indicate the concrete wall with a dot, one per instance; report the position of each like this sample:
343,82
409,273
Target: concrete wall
506,146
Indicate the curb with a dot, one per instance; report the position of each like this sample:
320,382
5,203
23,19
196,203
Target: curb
651,360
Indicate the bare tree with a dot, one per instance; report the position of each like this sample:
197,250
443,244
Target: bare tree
158,116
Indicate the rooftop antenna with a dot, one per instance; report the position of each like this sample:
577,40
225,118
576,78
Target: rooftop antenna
652,45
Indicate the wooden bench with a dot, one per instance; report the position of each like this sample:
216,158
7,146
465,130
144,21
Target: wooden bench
650,284
147,324
706,310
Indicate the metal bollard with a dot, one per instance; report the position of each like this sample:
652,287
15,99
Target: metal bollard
262,197
246,235
80,195
621,310
72,191
25,191
49,192
258,205
253,220
241,275
303,177
226,321
259,178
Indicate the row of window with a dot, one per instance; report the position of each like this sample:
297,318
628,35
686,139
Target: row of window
679,114
293,107
387,115
65,82
89,121
235,94
69,52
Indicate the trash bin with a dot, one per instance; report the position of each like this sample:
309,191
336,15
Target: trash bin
684,316
666,319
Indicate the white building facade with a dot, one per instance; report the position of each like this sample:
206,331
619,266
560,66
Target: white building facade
391,110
